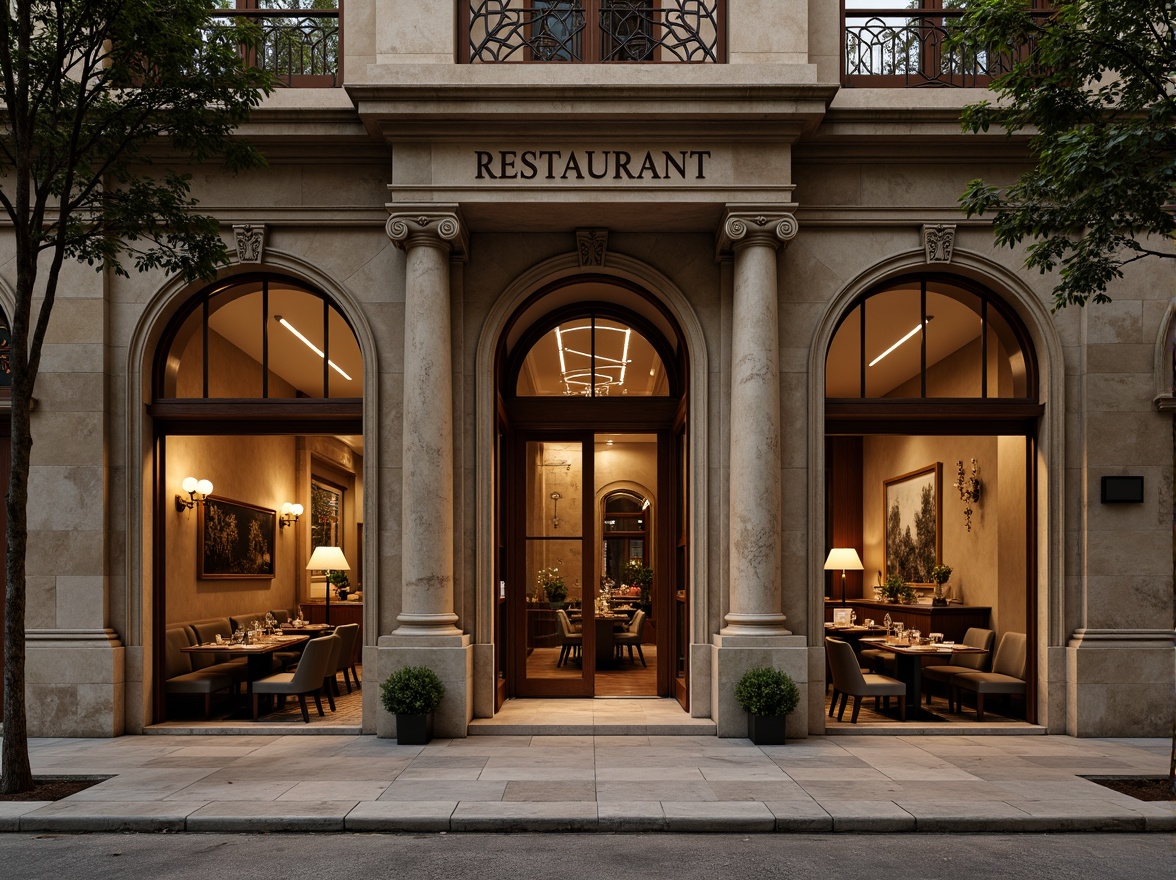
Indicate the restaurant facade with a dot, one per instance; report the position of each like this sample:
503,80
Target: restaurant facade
531,294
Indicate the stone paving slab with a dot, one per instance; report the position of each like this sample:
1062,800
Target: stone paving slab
596,783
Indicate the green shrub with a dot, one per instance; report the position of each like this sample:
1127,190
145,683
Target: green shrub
413,690
767,692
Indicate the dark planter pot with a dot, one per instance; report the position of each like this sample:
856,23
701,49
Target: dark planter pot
414,730
766,730
555,606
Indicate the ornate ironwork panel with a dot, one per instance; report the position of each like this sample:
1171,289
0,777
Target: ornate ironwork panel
299,42
594,30
908,49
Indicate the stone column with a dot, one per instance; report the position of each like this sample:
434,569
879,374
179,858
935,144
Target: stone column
755,424
429,238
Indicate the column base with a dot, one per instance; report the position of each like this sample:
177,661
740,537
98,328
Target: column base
1119,683
75,683
731,656
427,625
453,661
755,625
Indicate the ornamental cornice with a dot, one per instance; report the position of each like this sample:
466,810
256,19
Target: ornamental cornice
755,228
429,227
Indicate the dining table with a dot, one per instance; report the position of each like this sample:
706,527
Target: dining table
908,660
307,629
258,653
606,626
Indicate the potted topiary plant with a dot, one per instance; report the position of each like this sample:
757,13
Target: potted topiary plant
412,694
769,697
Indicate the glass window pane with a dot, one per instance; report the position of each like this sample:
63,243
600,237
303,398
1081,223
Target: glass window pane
554,489
346,361
953,342
234,342
893,343
561,363
553,642
296,343
1007,368
843,362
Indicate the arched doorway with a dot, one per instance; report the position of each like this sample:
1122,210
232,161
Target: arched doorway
257,388
592,398
931,420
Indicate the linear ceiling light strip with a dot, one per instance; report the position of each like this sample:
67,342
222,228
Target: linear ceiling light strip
311,346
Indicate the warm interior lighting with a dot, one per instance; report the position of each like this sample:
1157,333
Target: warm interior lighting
594,379
326,560
193,487
290,514
917,328
334,366
843,558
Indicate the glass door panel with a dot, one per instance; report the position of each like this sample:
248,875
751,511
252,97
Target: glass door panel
552,568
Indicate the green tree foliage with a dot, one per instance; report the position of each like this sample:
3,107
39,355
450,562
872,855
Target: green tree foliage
103,100
1094,87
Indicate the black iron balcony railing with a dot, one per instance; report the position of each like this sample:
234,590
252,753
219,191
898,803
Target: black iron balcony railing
689,31
302,48
907,48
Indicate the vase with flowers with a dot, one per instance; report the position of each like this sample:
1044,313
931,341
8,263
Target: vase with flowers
940,574
551,583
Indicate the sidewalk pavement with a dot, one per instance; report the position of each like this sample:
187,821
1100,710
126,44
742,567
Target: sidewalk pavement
595,783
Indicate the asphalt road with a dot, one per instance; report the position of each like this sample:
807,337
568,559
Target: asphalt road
585,856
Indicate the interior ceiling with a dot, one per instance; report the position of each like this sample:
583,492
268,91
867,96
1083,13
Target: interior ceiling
889,317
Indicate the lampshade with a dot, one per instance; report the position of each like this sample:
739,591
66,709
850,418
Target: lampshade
840,559
328,558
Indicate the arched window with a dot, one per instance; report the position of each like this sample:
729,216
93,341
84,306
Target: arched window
929,337
592,354
259,336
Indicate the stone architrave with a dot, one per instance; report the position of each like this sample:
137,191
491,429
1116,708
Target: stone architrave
430,238
250,238
755,501
938,242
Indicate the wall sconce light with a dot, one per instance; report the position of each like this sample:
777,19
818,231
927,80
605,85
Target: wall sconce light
290,514
193,487
555,496
969,490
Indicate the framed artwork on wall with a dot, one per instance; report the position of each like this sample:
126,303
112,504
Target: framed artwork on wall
912,516
236,540
326,514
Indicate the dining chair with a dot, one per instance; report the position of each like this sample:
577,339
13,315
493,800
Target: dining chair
974,637
347,634
571,642
307,679
1007,675
850,681
630,637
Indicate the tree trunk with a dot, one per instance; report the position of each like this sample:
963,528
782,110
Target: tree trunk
17,772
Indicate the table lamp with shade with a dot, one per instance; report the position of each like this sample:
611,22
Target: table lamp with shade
845,559
326,560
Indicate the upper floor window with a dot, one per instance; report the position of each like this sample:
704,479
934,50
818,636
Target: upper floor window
301,43
929,337
593,30
902,44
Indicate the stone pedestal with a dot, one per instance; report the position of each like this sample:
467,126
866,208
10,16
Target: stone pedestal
453,661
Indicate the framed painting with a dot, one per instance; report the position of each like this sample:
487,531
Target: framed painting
912,510
326,514
236,540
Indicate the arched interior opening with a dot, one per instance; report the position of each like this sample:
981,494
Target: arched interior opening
256,406
931,417
592,549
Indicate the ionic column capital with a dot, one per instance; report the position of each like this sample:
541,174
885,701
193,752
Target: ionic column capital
751,228
429,227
